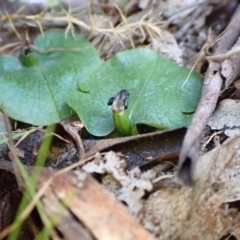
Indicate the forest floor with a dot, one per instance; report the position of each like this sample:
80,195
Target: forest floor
179,183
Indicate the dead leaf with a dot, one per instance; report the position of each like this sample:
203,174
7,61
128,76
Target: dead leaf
95,207
210,92
178,9
168,46
226,117
202,212
141,149
133,183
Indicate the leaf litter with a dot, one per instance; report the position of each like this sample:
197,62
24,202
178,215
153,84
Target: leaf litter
226,117
156,199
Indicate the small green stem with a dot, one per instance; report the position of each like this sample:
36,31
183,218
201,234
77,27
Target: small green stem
134,130
122,122
120,116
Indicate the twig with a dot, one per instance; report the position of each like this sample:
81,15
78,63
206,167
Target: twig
235,61
210,93
72,128
204,8
223,56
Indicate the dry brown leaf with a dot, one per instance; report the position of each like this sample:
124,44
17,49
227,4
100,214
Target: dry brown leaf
95,207
168,46
133,183
178,212
141,149
213,82
226,117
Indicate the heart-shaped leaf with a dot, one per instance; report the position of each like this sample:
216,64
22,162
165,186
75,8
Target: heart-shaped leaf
158,96
37,94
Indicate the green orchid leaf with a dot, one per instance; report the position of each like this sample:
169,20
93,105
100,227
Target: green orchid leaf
158,95
35,91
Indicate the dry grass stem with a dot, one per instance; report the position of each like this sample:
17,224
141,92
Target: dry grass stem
223,56
142,28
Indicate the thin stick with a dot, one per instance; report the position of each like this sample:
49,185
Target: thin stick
210,93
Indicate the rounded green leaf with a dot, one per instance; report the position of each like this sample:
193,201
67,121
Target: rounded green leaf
37,94
157,95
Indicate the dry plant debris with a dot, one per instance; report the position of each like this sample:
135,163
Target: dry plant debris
226,117
156,204
202,212
213,82
134,184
